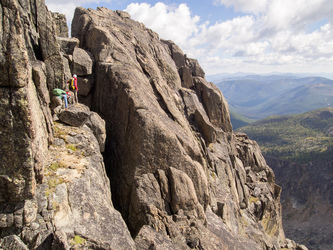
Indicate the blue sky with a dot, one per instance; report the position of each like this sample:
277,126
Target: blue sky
228,36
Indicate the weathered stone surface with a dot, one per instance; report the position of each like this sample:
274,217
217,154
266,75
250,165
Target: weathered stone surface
180,177
67,70
183,195
176,53
195,67
79,115
186,76
60,23
74,117
13,242
67,45
214,103
24,141
97,126
81,197
123,14
85,85
22,41
197,115
173,154
149,238
14,69
83,62
60,241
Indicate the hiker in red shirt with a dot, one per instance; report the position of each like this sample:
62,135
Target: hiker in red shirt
73,87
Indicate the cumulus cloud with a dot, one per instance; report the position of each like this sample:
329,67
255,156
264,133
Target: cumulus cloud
279,34
251,6
228,34
276,15
174,23
294,15
274,33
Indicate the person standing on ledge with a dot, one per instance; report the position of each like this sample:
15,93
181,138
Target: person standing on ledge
73,87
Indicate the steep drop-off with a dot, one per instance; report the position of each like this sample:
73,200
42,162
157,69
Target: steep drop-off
179,176
299,150
307,201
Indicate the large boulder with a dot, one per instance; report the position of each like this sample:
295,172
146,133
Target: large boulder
68,45
76,118
83,62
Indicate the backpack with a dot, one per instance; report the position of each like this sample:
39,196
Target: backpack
71,84
57,92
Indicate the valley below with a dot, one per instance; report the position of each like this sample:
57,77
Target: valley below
254,97
299,149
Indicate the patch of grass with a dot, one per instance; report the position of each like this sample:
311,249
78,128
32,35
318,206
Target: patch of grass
78,240
48,192
55,165
71,147
55,181
253,199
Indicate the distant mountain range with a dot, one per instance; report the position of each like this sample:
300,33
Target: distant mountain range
255,97
230,76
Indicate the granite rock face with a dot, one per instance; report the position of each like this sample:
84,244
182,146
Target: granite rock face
54,192
170,153
180,178
59,21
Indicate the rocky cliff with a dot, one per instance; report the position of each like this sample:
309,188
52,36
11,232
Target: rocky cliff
179,177
307,201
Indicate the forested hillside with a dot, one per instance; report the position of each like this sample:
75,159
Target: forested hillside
299,138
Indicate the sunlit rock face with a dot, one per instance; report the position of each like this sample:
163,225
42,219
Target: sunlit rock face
171,154
179,177
54,192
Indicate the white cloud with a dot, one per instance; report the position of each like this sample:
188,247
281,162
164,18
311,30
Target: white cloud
295,15
251,6
229,34
172,23
272,35
276,15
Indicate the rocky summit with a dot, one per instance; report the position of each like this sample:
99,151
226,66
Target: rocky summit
147,159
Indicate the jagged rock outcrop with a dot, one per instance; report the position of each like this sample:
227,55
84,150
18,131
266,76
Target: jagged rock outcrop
179,176
82,62
54,192
61,28
171,155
